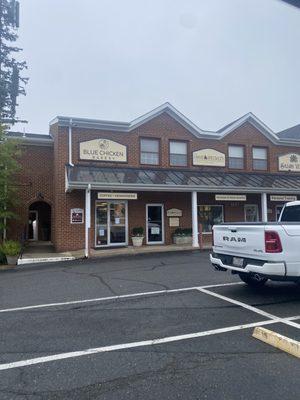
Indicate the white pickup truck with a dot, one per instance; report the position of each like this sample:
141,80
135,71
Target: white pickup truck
260,251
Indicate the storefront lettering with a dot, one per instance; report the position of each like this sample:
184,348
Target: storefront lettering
289,162
209,157
103,150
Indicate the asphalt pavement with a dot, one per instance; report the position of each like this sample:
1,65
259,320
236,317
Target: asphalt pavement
85,330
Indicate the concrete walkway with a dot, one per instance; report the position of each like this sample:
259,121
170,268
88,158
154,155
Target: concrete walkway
41,252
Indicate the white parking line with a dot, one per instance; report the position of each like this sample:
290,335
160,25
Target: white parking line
124,346
123,296
248,307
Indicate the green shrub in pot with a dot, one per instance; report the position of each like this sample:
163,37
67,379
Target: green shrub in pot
182,236
137,236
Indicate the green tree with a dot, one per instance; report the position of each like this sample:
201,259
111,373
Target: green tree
9,167
11,82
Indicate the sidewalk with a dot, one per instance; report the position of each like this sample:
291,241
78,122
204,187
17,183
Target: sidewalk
40,252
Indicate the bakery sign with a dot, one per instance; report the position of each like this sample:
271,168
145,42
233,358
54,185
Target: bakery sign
289,162
102,150
209,157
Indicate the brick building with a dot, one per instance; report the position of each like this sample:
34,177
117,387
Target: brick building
89,182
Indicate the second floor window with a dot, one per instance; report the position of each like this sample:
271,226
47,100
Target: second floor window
260,158
178,153
236,157
150,151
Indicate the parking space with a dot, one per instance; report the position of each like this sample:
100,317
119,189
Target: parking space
189,342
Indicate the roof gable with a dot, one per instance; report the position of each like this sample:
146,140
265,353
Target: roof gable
120,127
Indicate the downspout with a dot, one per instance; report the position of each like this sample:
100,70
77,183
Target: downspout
87,220
70,143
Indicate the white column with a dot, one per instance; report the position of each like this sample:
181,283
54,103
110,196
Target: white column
87,219
264,207
195,220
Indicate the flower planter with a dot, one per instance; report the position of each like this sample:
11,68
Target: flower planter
137,241
182,239
12,260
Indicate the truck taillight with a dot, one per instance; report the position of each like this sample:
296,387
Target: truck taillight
272,242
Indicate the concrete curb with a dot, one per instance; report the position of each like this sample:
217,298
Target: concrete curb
23,261
274,339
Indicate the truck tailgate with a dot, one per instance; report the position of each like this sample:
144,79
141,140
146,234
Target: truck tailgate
246,240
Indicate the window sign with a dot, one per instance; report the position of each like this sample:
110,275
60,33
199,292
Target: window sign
76,216
102,150
210,216
289,162
155,230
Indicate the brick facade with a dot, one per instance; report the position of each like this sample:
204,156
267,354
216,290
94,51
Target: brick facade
43,175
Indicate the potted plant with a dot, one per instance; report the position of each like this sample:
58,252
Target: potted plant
137,236
11,249
182,236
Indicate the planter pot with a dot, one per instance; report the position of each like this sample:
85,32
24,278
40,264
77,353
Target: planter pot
182,240
12,260
137,241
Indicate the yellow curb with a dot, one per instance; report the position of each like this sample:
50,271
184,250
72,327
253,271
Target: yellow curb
276,340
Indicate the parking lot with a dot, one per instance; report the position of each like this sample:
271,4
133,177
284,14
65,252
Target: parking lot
164,326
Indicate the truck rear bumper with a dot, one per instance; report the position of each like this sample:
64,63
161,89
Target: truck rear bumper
267,269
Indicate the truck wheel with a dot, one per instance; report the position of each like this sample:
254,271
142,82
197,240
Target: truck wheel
254,280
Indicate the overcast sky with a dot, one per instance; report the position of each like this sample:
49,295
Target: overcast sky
214,60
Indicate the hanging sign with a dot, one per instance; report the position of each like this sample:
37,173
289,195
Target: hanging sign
76,216
283,198
231,197
209,157
102,150
116,196
174,212
289,162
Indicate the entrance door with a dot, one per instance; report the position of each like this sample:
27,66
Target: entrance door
111,224
155,223
33,225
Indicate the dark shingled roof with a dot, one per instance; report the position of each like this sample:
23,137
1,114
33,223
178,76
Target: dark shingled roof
181,180
290,133
29,135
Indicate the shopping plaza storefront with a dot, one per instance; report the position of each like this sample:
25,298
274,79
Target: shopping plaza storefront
89,183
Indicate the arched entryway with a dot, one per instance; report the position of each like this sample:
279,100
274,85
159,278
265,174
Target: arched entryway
39,221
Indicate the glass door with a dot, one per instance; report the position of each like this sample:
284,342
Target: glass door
111,224
101,224
155,223
117,223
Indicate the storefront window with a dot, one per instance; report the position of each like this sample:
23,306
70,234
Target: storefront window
210,216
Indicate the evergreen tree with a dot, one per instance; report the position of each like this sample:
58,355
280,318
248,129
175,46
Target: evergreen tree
9,167
11,83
